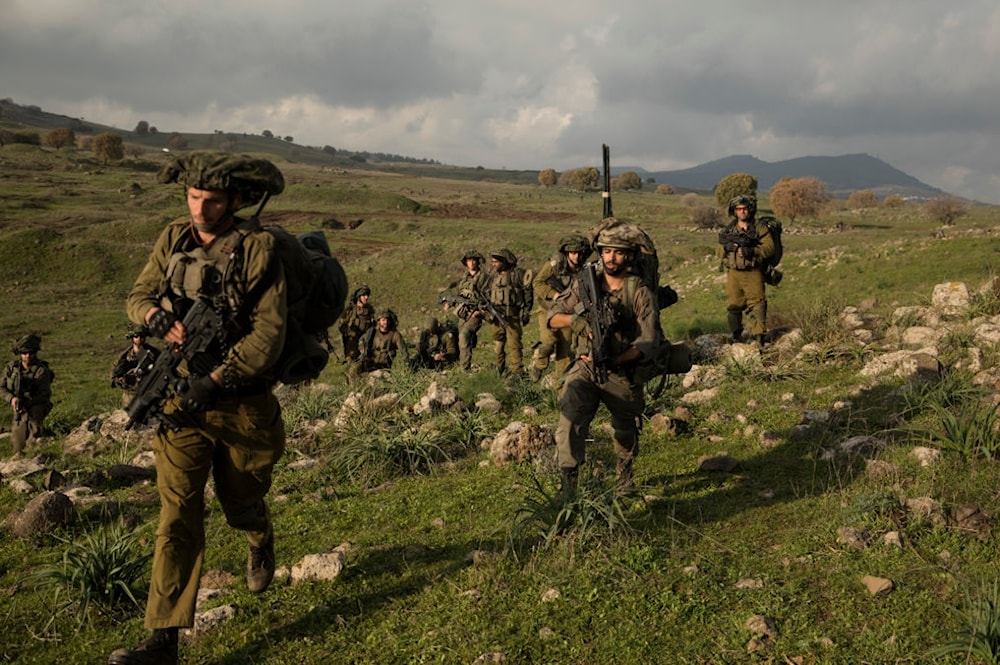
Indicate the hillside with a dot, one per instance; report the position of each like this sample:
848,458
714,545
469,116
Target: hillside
828,501
842,175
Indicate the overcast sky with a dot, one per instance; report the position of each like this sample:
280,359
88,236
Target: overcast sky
527,85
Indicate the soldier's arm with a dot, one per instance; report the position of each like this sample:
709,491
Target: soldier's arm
765,249
144,297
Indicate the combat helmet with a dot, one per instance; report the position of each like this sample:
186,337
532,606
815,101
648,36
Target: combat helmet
748,200
389,315
432,325
506,256
472,254
616,234
362,290
253,178
133,330
575,243
30,343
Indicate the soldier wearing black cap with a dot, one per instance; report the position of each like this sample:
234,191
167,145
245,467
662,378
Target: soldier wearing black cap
27,387
123,374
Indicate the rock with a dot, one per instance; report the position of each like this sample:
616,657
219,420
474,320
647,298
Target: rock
319,567
488,403
519,442
714,463
43,514
951,299
762,625
852,537
926,456
877,585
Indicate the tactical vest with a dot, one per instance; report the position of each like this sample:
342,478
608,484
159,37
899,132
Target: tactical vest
197,271
736,260
508,291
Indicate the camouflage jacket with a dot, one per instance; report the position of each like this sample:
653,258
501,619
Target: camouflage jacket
511,291
357,319
555,271
472,287
33,386
737,260
255,344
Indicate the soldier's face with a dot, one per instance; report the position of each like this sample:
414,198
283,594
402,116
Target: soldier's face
472,264
573,258
209,208
615,260
383,325
363,299
27,358
742,213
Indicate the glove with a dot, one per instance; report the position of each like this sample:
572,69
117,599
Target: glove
579,325
525,318
161,322
199,394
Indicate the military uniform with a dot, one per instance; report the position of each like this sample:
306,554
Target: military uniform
358,318
511,293
582,392
380,349
552,279
436,339
472,286
240,436
32,387
123,372
745,279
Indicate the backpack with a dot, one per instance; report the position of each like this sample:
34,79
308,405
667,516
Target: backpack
316,288
671,358
771,273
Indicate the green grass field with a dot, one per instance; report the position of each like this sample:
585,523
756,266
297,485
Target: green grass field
667,586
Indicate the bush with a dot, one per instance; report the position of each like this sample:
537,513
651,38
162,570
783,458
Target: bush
945,210
59,138
893,201
734,185
798,197
109,147
666,190
862,200
547,177
629,180
707,217
690,200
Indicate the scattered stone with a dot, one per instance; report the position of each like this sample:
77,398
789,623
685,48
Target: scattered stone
319,567
926,456
853,538
209,621
877,585
973,519
880,469
893,539
43,514
519,442
545,633
488,403
717,463
53,480
551,594
749,583
762,625
490,658
769,439
926,508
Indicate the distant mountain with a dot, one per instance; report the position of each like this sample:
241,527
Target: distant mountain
842,175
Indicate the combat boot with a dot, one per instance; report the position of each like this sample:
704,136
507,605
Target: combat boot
624,481
536,374
159,649
570,476
260,566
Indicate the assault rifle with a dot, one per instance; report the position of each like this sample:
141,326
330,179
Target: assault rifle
157,375
606,153
480,302
365,343
600,315
23,401
733,239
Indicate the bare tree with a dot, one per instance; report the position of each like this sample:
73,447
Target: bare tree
945,209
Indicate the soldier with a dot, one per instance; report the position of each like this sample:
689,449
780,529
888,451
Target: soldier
512,296
380,345
358,318
472,287
744,246
437,346
27,387
554,278
123,373
631,338
228,422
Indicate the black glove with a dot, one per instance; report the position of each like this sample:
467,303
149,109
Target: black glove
161,322
525,318
199,394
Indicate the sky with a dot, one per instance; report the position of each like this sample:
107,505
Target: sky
524,84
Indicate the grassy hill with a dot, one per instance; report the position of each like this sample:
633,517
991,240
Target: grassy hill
442,566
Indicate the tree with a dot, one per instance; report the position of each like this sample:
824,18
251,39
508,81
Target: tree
547,177
27,136
893,201
690,200
945,209
267,133
665,189
798,197
58,138
862,200
154,131
629,180
289,139
177,142
109,147
585,179
329,149
142,128
734,184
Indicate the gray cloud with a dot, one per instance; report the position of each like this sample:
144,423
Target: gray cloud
530,85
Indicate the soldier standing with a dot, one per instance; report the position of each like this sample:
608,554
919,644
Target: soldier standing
746,261
632,337
555,277
123,373
512,295
472,287
358,318
27,387
228,421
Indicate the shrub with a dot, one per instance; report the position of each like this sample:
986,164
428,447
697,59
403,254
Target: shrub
547,177
629,180
58,138
945,210
665,189
27,136
798,197
862,200
980,635
893,201
734,185
690,200
109,147
707,217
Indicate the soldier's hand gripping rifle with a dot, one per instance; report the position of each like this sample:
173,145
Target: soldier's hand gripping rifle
23,402
158,379
600,316
481,303
732,240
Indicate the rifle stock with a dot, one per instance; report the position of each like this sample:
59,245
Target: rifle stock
158,378
480,303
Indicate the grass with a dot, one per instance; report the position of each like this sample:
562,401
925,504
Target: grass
452,557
